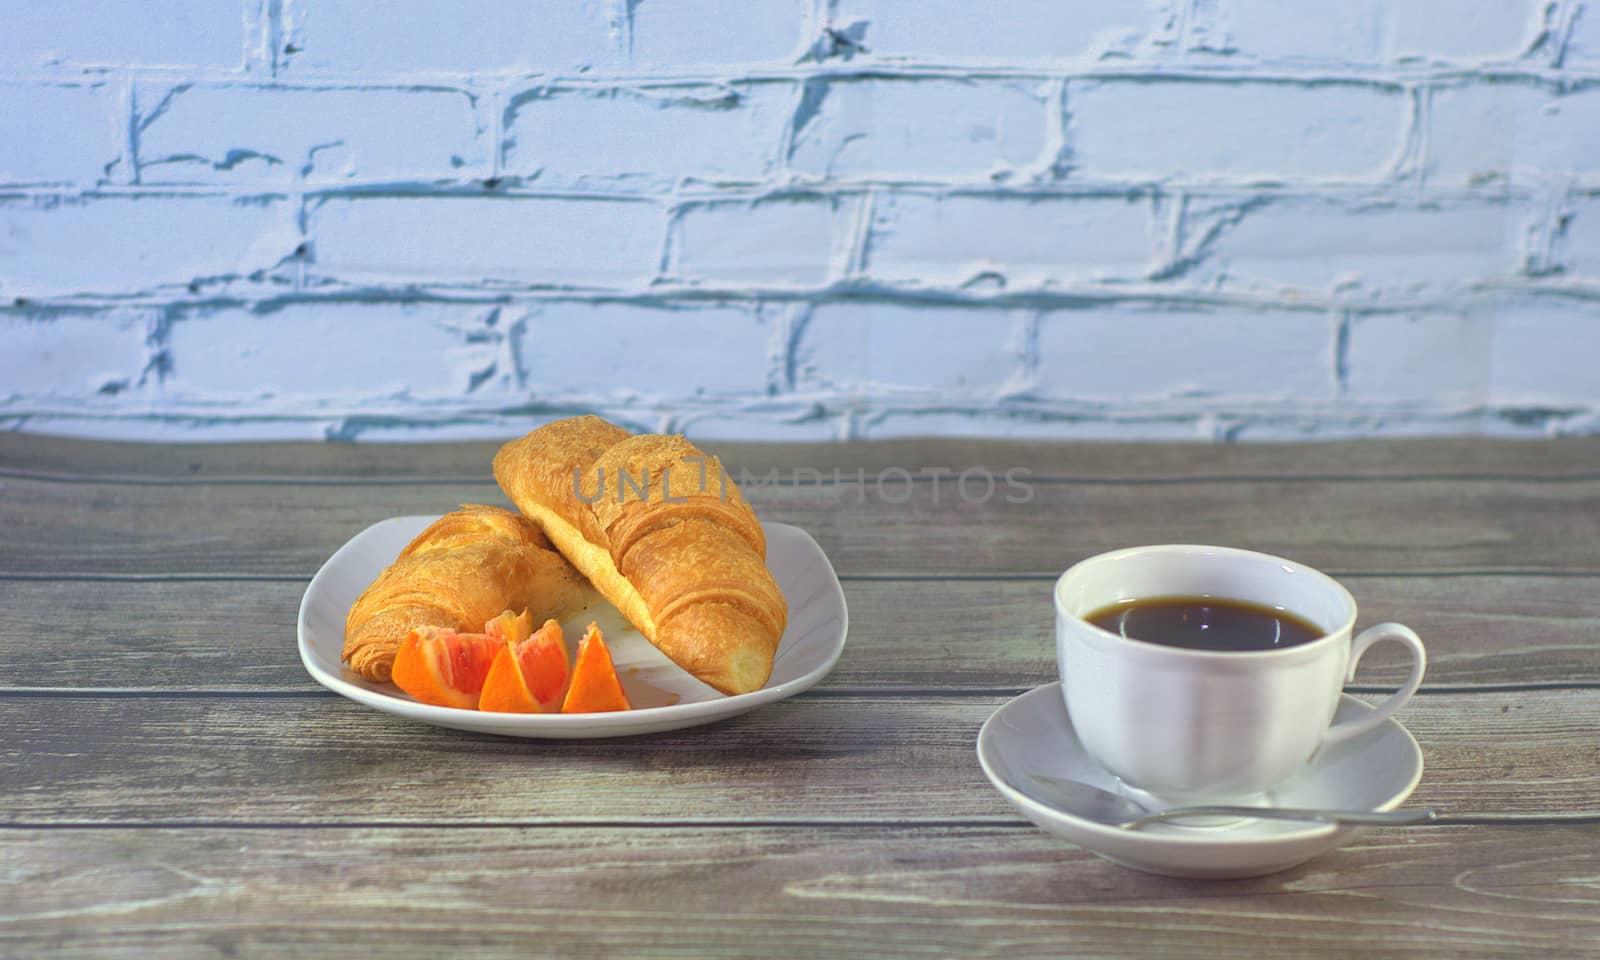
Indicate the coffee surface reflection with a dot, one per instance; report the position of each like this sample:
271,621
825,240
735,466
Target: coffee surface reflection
1205,623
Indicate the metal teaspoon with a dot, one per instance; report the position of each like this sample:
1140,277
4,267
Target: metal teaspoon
1102,806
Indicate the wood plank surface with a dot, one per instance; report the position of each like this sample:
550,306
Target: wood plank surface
904,635
866,892
65,529
468,461
174,785
322,759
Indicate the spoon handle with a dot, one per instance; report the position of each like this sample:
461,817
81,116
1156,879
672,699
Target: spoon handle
1392,818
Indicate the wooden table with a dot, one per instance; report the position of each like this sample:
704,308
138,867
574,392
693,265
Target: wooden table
174,784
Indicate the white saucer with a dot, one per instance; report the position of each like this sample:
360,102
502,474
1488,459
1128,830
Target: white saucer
664,696
1033,733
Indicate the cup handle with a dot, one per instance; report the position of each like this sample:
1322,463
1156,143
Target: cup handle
1340,732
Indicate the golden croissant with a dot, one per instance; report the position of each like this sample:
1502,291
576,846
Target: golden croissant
466,567
659,529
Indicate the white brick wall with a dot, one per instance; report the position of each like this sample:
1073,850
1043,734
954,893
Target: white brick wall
462,37
646,137
1031,239
479,241
800,218
97,247
74,34
1262,357
918,128
783,240
232,133
1232,130
59,133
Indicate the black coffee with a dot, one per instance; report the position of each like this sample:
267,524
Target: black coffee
1205,623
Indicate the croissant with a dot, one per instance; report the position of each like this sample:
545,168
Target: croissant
465,568
659,529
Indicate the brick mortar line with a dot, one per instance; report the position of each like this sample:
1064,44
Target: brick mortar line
1348,73
1483,290
1382,192
806,405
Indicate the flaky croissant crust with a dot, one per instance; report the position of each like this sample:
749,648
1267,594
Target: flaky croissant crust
662,532
464,568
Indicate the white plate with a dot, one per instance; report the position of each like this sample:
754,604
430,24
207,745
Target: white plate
665,697
1033,733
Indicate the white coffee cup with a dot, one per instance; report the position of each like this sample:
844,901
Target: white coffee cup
1191,725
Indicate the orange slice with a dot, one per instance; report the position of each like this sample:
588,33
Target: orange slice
529,675
510,627
595,685
443,667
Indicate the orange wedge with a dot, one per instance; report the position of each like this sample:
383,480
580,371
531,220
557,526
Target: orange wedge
510,627
443,667
595,686
529,675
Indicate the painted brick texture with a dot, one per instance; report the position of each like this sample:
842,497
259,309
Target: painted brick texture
801,219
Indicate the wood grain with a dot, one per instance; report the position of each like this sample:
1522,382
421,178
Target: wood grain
56,528
904,635
321,759
174,785
35,454
866,892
